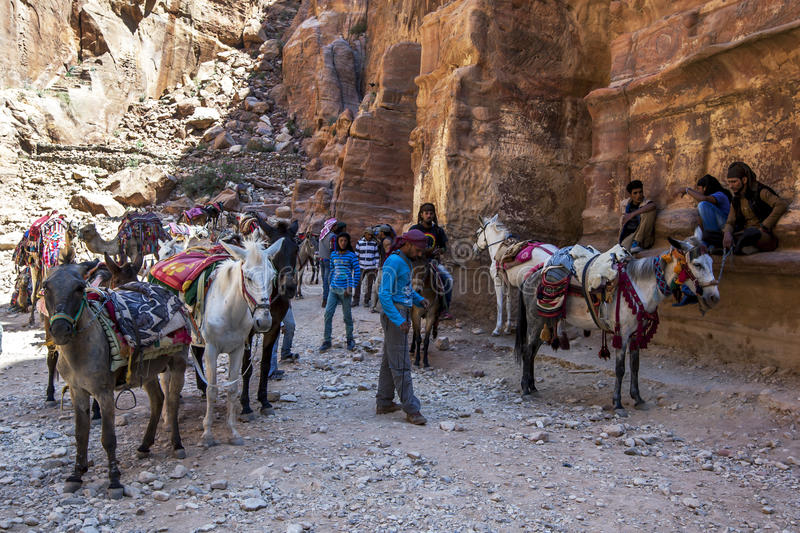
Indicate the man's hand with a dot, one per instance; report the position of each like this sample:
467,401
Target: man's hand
405,326
347,293
727,240
625,218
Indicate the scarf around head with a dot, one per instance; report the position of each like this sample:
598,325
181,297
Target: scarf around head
326,228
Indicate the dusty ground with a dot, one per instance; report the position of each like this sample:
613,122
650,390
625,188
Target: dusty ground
714,451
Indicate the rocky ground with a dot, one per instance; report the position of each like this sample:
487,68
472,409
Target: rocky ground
714,451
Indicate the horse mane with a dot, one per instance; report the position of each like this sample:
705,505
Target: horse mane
641,268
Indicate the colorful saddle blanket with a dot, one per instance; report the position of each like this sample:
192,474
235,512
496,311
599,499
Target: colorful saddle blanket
146,227
248,224
181,273
552,291
44,239
140,317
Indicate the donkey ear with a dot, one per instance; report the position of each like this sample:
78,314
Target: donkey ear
265,227
293,227
236,252
66,256
493,219
137,264
678,245
110,263
274,248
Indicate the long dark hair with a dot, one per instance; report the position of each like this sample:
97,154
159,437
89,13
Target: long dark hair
427,206
713,185
348,248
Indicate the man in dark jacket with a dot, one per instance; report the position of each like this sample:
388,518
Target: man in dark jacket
755,210
428,224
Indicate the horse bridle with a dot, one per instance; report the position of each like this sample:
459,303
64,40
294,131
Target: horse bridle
482,231
684,265
251,302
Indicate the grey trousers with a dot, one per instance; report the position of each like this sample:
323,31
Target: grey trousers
395,374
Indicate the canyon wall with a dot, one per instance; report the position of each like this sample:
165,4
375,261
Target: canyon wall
544,111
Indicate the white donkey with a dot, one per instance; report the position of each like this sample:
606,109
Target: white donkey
494,236
237,302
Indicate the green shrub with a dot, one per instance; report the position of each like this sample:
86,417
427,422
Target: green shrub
307,132
359,28
133,162
209,179
65,99
291,126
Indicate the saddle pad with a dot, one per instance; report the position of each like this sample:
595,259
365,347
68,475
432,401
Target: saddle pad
146,227
193,213
142,314
180,271
552,291
602,270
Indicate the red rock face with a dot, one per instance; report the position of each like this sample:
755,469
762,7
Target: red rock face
692,91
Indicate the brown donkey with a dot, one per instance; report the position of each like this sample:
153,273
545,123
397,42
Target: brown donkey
84,364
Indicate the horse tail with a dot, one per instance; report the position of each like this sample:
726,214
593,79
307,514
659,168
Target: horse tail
520,343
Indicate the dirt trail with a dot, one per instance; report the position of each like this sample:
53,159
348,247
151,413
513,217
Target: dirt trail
710,453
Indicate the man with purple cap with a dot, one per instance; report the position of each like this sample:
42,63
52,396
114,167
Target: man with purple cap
397,296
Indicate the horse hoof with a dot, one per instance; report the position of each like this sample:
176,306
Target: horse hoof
620,412
51,403
641,405
247,417
179,453
208,442
236,441
496,333
426,365
116,493
267,411
530,396
72,486
141,454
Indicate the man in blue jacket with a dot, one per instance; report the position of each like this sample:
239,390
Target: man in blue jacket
397,296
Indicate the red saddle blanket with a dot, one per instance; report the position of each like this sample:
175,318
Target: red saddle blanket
180,271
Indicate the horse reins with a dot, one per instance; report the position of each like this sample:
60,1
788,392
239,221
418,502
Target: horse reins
482,231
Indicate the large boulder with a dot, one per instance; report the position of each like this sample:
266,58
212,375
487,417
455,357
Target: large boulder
97,203
142,186
203,117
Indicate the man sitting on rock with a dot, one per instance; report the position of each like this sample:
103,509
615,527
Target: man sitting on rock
755,210
639,220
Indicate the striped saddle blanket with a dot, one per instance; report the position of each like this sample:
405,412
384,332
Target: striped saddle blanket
180,271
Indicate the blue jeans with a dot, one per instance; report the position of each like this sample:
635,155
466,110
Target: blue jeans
448,284
288,337
326,278
711,215
335,297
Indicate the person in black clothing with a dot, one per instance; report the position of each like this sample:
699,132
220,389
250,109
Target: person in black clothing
428,224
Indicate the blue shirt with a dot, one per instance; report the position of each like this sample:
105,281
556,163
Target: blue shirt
396,287
723,204
345,273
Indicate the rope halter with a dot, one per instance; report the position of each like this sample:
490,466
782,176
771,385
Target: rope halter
73,320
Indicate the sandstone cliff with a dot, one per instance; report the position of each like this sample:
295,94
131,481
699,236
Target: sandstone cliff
544,111
70,69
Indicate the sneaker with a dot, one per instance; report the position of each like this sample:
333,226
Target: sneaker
635,248
289,357
373,310
325,346
445,316
386,409
416,418
277,375
355,304
351,345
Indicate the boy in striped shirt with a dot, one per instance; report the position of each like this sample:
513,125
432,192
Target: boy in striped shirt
345,276
367,252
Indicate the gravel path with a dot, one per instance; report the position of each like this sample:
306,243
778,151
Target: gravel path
714,451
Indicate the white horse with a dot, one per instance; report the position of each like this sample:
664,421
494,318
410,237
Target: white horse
237,302
494,236
643,284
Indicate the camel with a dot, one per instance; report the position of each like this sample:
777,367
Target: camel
98,245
